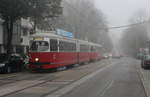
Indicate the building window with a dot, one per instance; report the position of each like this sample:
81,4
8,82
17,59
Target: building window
19,49
25,31
0,48
21,40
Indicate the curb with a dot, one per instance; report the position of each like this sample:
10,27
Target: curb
144,82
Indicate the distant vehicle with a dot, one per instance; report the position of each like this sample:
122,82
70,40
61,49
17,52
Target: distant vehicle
110,55
106,56
116,56
12,63
145,62
50,51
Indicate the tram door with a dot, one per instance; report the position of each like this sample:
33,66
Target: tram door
54,48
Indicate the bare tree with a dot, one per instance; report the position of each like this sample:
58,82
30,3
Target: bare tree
136,36
140,16
85,21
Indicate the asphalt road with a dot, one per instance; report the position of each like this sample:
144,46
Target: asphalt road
28,84
120,79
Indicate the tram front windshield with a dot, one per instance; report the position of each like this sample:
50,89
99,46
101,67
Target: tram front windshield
39,46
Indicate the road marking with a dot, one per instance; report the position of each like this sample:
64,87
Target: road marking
70,87
20,85
107,87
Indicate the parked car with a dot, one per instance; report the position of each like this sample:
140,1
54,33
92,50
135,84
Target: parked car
140,56
145,62
11,63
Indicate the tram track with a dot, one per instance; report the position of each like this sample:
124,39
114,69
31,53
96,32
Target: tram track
42,84
9,79
39,80
4,76
20,77
33,82
38,84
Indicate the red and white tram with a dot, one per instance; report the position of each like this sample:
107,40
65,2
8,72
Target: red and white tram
49,51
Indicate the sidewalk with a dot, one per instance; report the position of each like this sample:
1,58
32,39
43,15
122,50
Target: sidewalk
145,76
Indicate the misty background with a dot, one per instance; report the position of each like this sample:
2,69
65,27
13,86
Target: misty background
120,26
96,21
124,12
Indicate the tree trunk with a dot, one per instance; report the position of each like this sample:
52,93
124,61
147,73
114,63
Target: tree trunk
35,24
9,29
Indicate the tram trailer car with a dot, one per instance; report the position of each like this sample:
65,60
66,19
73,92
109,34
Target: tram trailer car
83,51
48,51
95,52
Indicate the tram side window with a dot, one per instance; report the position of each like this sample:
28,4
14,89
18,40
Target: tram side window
72,47
92,49
84,48
96,49
67,46
53,45
61,46
99,49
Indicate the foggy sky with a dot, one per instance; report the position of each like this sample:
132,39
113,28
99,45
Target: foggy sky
119,11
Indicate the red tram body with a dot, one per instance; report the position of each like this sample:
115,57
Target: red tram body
49,51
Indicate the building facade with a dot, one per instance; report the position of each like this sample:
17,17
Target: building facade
1,37
20,38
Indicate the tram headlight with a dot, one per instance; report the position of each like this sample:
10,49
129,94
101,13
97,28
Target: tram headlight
36,59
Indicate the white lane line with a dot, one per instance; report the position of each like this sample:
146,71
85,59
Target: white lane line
108,86
70,87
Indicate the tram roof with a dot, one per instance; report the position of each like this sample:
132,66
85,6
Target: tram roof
46,35
51,35
89,43
83,42
95,44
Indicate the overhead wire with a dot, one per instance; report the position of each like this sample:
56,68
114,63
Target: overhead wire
115,27
109,28
126,26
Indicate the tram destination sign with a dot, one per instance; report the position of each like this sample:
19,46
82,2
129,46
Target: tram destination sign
38,38
65,33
